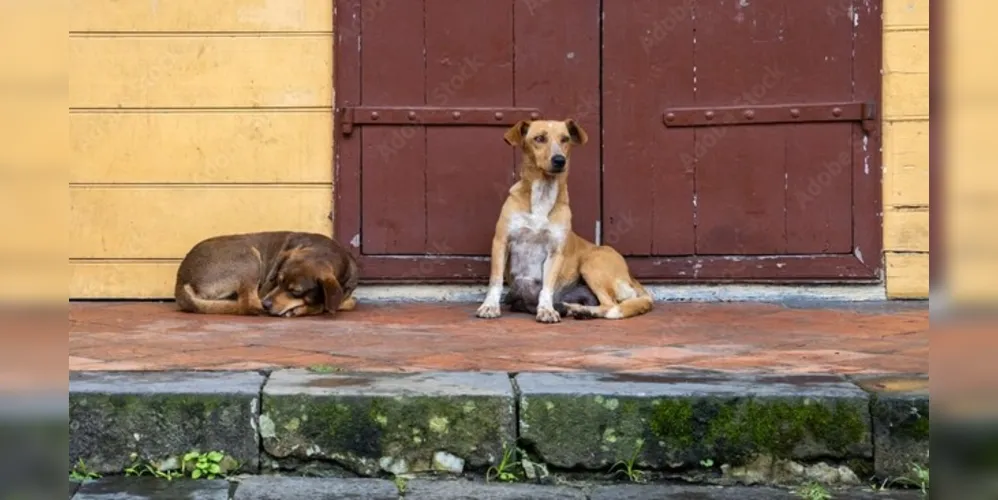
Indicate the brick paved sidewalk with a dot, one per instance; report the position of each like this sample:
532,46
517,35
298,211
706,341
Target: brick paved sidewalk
846,339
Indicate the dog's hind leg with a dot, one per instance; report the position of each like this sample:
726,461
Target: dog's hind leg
246,303
620,296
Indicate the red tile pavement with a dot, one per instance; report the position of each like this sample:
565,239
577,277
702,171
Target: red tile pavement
889,337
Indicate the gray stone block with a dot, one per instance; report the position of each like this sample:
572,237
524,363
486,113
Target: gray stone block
73,486
692,492
148,488
389,422
900,407
701,492
280,488
161,416
594,420
466,490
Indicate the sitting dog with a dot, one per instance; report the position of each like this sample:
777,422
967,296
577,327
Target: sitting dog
552,271
297,274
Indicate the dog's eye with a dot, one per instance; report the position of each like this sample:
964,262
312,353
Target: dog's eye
565,139
541,139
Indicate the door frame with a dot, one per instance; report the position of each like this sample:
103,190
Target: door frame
864,265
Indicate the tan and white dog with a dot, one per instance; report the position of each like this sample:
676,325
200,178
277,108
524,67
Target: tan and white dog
552,271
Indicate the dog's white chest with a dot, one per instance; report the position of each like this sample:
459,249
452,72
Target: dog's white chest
532,235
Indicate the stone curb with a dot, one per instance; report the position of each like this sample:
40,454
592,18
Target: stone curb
294,488
372,424
159,416
591,421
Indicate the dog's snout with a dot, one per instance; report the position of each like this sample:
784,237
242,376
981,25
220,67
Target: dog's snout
267,304
558,161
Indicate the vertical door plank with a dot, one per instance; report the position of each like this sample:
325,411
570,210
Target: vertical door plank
558,71
469,57
740,176
648,168
817,44
393,194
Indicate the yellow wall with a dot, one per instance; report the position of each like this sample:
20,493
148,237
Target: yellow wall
190,119
906,147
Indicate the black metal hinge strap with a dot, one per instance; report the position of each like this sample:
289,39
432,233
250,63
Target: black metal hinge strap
424,116
712,116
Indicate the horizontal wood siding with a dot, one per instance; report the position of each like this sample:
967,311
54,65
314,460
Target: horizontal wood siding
190,119
906,147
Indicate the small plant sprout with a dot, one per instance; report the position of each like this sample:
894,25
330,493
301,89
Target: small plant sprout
204,465
919,478
813,491
81,473
626,467
323,369
505,470
142,467
706,463
401,483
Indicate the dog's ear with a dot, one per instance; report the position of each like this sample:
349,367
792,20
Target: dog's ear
514,136
331,289
576,132
271,281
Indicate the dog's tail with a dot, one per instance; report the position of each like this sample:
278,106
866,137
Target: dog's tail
188,301
637,304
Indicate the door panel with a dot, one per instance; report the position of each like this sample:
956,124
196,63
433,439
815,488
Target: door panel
729,140
422,167
648,180
706,140
393,155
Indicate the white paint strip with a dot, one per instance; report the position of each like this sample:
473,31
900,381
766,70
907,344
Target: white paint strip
661,293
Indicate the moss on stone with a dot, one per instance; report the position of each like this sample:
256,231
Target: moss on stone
738,430
409,429
672,422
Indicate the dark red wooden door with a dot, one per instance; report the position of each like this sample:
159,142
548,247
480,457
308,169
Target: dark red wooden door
738,139
424,92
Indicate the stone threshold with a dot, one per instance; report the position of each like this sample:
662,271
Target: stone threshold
698,427
297,488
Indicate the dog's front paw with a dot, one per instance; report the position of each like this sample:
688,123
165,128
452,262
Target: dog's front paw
548,315
489,311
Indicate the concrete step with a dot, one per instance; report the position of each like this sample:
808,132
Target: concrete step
287,488
707,428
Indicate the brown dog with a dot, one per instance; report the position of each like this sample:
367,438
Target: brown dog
552,271
298,274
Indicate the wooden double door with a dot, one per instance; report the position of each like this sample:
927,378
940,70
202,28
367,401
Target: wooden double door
730,140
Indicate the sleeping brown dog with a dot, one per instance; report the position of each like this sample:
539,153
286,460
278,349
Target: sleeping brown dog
296,274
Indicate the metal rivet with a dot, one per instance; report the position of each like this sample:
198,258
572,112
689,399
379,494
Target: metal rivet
412,115
794,112
837,112
709,115
375,115
499,115
535,115
749,114
670,117
456,115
